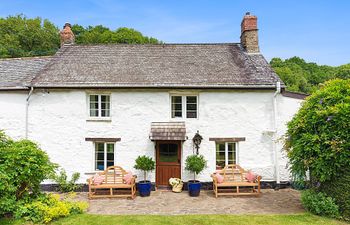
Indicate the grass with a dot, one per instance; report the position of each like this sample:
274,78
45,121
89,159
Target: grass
294,219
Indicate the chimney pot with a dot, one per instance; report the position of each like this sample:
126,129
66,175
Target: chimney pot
249,33
67,35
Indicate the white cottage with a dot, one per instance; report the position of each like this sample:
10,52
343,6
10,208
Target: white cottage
92,106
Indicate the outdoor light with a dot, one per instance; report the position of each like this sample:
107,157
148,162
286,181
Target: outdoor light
197,139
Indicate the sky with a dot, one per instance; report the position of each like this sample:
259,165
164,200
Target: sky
316,30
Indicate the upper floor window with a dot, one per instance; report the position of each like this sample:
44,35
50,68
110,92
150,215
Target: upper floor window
100,105
184,106
225,154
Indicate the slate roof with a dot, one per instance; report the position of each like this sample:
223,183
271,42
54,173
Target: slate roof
17,73
165,65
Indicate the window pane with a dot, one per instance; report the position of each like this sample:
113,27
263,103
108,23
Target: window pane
93,98
105,113
110,163
168,152
231,148
220,155
100,147
176,106
93,113
191,106
104,98
110,148
100,165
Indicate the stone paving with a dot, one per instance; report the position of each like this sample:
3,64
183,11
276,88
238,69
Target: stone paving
284,201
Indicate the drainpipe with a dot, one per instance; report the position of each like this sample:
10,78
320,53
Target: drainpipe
274,137
27,111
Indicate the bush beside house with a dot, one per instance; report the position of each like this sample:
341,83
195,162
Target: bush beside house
318,142
23,166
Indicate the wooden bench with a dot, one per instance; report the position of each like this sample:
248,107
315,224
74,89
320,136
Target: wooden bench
113,182
234,179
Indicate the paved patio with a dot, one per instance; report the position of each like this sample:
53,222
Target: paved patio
285,201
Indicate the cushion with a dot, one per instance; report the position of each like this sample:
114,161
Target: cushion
128,177
219,178
250,176
98,179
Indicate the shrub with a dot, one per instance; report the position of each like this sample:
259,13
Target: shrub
144,163
46,208
339,189
23,166
318,203
195,164
318,135
63,184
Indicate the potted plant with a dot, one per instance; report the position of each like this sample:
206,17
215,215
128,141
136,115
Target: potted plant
195,164
144,163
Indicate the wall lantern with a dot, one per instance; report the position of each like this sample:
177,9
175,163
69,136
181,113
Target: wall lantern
197,139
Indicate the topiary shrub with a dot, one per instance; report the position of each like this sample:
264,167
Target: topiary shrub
195,164
144,163
318,137
23,166
318,203
339,189
65,185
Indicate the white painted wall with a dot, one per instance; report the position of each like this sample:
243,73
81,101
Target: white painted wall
58,122
12,113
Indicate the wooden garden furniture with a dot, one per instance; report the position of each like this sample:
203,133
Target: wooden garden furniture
113,184
234,181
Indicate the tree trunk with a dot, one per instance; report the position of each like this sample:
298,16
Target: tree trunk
144,176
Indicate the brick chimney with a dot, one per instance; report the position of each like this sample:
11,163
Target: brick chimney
249,33
67,36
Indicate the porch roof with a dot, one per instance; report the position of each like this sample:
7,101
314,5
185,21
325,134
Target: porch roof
168,131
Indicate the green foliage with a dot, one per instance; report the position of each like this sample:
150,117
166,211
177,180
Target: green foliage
20,37
339,189
63,184
318,203
300,76
318,137
46,208
23,166
101,34
195,164
144,163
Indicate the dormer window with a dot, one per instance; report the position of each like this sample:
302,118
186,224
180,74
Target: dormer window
184,106
99,105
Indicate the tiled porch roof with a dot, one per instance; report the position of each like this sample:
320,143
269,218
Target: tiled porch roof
168,131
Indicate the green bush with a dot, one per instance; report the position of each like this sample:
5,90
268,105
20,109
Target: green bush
195,164
339,189
23,166
63,184
318,203
46,208
318,137
144,163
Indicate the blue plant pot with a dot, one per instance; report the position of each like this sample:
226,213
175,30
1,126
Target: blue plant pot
144,188
194,188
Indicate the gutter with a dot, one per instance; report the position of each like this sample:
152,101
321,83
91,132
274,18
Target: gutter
27,111
274,137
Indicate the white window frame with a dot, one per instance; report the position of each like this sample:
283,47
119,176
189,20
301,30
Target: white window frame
99,117
226,151
104,155
184,105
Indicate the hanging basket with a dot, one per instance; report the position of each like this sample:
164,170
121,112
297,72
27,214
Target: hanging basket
176,184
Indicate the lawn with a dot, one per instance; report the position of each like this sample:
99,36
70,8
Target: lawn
306,219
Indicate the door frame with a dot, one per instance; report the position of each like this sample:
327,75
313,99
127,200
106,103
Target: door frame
179,153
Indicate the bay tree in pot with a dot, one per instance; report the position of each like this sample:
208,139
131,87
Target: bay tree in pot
146,164
195,164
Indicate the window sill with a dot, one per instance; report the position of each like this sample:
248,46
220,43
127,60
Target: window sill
93,172
99,119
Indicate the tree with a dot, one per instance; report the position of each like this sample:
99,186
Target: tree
20,36
319,134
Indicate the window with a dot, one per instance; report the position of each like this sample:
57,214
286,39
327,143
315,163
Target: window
225,154
99,105
104,155
184,107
